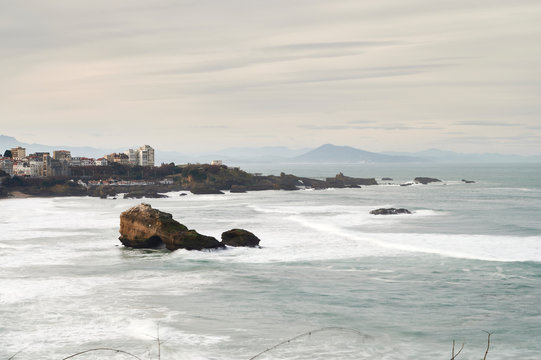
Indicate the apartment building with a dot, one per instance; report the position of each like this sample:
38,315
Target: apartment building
144,156
18,153
62,155
6,164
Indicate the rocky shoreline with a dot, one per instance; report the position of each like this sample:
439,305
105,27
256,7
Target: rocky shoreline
197,179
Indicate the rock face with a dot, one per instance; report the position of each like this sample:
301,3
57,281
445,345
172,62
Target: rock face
144,227
390,211
239,237
192,240
425,180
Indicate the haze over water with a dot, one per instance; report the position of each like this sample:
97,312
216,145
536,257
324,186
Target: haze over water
468,259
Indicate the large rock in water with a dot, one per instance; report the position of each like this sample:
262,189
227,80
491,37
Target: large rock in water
239,237
144,227
390,211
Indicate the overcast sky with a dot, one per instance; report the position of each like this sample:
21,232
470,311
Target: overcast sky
386,75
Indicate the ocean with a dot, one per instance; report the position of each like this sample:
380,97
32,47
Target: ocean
337,282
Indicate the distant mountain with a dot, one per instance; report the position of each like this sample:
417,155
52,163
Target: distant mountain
329,153
443,156
7,142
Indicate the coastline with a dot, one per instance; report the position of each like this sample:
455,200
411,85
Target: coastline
197,179
18,195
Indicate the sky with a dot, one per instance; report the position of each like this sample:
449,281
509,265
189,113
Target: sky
183,75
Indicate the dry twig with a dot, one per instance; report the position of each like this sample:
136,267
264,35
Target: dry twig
102,349
453,355
306,334
488,344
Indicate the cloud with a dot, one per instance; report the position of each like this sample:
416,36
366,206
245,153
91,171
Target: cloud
335,68
487,123
383,126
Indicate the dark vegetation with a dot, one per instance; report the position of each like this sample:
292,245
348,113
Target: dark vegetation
124,172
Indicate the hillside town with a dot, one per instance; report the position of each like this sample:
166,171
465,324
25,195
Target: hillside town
16,162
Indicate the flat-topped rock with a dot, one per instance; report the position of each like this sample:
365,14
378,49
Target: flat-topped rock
390,211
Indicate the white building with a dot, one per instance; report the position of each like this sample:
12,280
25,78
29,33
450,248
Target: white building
101,162
132,156
87,161
6,164
22,168
75,161
83,161
36,167
144,156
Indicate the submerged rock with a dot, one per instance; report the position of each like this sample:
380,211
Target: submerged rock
390,211
239,237
468,181
204,189
144,227
138,194
425,180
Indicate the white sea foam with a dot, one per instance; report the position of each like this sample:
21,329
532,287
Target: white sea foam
67,285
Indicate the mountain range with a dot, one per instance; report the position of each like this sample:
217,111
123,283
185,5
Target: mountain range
327,153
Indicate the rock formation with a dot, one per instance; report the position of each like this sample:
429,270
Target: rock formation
201,189
144,227
425,180
341,181
468,181
192,240
239,237
138,194
390,211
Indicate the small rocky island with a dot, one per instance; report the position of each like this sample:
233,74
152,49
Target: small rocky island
425,180
144,227
390,211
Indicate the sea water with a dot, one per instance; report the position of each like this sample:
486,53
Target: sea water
467,260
